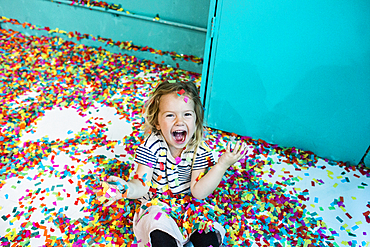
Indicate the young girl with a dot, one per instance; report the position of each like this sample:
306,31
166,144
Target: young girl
171,158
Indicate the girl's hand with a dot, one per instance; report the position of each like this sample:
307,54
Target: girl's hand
113,189
230,157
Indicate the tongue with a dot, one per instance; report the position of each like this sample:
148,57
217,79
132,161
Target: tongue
179,136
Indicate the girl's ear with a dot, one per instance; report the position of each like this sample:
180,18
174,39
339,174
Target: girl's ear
158,127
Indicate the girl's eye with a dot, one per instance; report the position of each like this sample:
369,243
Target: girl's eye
169,115
188,114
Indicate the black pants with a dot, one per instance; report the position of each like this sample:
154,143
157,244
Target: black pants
162,239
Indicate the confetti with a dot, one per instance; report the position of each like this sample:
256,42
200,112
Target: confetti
178,160
257,202
181,92
159,214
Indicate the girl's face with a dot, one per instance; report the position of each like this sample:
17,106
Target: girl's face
176,121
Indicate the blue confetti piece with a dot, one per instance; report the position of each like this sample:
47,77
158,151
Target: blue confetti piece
339,219
355,227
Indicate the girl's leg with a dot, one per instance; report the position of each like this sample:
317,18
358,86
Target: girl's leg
160,239
204,239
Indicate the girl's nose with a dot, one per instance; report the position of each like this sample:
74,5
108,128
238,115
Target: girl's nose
179,121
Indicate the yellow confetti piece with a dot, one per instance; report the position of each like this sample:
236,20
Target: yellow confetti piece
206,147
307,242
330,173
165,188
335,185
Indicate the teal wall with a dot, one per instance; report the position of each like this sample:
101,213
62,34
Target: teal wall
120,28
294,73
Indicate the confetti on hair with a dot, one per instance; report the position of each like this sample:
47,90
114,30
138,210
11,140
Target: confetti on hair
181,92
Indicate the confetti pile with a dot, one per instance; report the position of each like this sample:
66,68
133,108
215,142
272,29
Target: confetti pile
125,45
102,4
274,197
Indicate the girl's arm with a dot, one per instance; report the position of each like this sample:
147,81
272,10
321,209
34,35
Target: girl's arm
136,189
133,189
209,182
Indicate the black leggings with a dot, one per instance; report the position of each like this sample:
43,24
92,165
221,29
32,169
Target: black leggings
161,239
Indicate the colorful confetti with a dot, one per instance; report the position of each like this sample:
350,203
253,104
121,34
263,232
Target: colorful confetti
124,45
70,116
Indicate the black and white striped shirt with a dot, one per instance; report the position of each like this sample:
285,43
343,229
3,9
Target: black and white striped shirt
169,173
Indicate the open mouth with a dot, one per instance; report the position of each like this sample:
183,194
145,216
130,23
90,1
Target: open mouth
179,135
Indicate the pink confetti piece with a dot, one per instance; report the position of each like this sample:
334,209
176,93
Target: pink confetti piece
159,214
178,160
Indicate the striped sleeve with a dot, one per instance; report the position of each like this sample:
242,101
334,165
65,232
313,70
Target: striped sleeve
203,159
145,156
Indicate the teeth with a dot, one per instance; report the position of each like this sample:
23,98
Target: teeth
179,131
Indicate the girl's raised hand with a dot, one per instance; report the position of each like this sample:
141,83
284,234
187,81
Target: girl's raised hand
113,189
230,157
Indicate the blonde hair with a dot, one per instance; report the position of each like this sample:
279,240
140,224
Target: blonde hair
151,108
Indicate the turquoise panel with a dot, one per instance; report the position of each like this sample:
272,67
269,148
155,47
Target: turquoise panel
292,73
120,28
